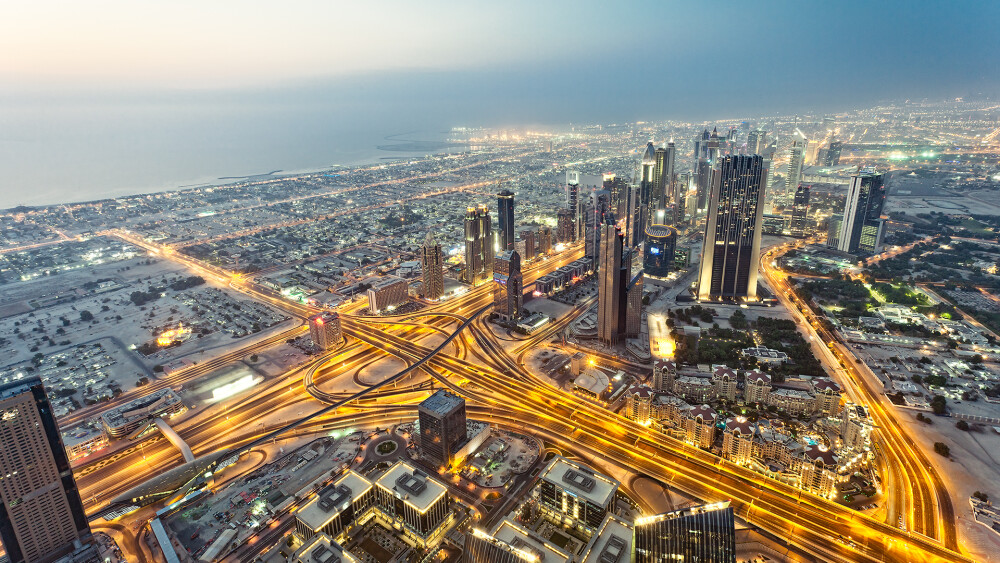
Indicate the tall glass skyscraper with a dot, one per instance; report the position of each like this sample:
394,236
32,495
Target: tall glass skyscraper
730,254
505,218
862,227
701,533
41,514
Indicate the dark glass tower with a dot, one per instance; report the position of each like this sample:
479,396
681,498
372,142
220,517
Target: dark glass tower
41,514
702,533
505,218
800,212
729,256
861,230
658,257
508,290
442,426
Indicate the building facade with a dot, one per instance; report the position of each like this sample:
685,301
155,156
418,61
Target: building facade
801,226
701,533
432,268
658,254
730,254
862,229
443,426
41,514
505,219
387,293
325,331
508,289
479,250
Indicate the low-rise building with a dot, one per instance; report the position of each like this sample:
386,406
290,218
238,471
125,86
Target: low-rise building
121,421
575,495
413,503
387,293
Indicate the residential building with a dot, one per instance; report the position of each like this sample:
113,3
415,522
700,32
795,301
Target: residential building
479,246
738,440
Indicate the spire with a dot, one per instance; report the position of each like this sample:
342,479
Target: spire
649,157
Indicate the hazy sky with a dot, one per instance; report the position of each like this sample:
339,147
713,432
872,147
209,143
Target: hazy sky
626,59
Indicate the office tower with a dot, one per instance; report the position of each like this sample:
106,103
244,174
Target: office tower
700,533
833,231
416,505
862,229
387,293
800,212
598,213
756,141
680,197
630,215
442,426
793,174
664,176
565,229
432,267
833,153
615,187
41,514
613,278
647,187
729,257
570,491
545,241
633,306
700,148
478,245
658,258
324,329
508,291
572,188
505,219
712,147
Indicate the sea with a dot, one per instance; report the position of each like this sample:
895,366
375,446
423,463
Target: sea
65,151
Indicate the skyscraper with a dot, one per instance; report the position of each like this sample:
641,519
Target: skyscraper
575,204
432,266
800,211
729,257
612,288
325,331
633,306
793,174
598,212
664,176
41,514
833,231
545,241
442,426
505,219
756,141
658,258
862,229
647,188
508,290
478,245
630,214
565,229
833,153
701,533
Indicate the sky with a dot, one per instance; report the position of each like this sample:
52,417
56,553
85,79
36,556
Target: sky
504,61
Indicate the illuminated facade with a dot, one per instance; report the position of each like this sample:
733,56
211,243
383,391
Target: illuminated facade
612,289
508,289
801,226
731,250
432,268
479,250
387,293
325,331
575,495
41,514
413,503
505,219
862,228
336,509
700,533
658,254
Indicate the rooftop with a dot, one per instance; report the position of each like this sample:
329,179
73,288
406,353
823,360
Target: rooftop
412,485
611,544
517,537
442,403
332,500
580,480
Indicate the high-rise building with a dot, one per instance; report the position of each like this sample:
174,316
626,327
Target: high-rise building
598,213
658,257
647,178
793,174
576,204
442,426
545,241
324,329
863,228
565,229
387,293
729,257
612,289
833,231
508,290
800,213
505,219
664,176
680,198
432,267
570,491
756,141
703,181
701,533
41,514
633,306
478,245
630,214
833,153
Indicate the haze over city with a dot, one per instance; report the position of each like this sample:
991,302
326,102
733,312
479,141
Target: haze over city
577,282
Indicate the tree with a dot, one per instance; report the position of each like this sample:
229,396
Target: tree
942,449
738,320
938,405
86,316
981,496
253,358
962,425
